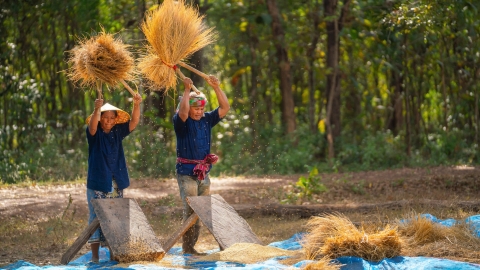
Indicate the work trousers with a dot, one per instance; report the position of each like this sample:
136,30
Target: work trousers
190,186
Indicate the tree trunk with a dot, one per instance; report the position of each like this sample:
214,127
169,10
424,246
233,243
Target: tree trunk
268,115
353,105
407,103
332,62
288,114
444,98
476,117
253,95
334,26
395,121
311,71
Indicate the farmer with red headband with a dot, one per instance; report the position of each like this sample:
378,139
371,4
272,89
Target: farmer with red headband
193,129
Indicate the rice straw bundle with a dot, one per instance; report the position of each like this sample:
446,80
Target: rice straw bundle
427,238
421,230
335,236
174,32
101,59
323,264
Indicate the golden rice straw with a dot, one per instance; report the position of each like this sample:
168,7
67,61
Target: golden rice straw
335,236
323,264
101,59
174,32
421,230
427,238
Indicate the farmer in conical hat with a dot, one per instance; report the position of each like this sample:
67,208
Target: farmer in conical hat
107,176
193,129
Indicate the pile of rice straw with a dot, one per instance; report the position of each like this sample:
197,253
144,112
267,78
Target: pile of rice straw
174,31
100,58
322,264
420,230
334,236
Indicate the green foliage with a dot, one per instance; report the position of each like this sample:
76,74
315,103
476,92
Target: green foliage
407,66
311,185
271,152
378,151
43,159
449,148
306,187
148,153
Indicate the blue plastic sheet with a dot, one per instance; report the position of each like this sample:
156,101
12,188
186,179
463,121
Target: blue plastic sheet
180,261
401,263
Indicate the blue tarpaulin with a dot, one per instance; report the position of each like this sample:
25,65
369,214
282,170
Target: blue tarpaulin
179,261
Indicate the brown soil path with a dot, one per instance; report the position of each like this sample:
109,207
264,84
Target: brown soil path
439,183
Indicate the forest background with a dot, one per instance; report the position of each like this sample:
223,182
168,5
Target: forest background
333,85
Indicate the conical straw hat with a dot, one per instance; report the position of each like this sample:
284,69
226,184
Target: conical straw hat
122,116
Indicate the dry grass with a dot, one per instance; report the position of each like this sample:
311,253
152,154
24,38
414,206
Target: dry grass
174,32
324,263
420,230
103,58
334,235
427,238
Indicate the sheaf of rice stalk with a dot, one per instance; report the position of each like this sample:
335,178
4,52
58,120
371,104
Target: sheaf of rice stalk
436,240
323,264
334,235
174,31
420,230
103,58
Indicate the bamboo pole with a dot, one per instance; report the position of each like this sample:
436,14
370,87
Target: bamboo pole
179,72
185,226
99,95
128,87
192,69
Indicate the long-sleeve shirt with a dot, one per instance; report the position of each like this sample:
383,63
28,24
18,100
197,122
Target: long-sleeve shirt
194,139
106,159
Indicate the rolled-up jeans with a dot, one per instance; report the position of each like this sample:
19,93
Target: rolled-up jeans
191,186
115,192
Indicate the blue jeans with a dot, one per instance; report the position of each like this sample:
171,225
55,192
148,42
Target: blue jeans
191,186
98,236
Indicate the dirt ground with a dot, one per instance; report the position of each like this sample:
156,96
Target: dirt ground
38,224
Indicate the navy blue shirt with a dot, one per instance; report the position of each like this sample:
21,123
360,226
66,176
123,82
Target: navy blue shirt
194,138
106,159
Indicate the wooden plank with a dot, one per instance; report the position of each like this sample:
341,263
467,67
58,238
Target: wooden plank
222,221
185,226
127,230
81,240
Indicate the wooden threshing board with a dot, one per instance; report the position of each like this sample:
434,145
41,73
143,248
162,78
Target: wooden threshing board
127,230
180,232
81,240
222,221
